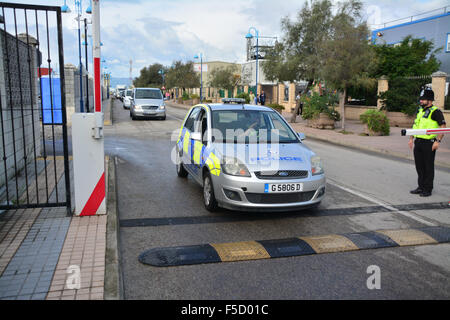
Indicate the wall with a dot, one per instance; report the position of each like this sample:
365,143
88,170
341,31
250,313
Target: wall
19,104
434,29
72,75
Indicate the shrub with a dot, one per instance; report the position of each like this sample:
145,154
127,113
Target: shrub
244,95
316,104
195,96
185,96
275,106
403,95
376,121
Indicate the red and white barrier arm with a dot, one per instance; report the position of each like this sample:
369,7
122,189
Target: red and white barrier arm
419,132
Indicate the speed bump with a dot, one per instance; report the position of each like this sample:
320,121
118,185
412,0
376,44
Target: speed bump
238,251
409,237
330,243
308,245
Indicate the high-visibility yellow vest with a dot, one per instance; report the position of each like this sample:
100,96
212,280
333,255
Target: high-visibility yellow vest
424,121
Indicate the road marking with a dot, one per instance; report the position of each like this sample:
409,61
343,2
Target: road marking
314,213
301,246
381,203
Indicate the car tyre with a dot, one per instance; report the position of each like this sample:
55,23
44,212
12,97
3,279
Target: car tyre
209,199
181,171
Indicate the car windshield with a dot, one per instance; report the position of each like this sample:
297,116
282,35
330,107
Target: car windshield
251,126
148,94
129,93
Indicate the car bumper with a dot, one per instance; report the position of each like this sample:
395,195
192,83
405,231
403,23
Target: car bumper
253,198
151,114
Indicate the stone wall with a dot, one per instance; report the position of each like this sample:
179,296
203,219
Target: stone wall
20,126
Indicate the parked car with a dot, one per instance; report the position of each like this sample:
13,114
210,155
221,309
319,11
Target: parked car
127,99
147,103
247,157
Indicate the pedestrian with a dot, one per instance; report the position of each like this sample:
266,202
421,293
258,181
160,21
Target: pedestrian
252,97
299,104
171,94
425,146
262,98
167,95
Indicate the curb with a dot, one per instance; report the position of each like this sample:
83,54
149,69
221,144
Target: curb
113,282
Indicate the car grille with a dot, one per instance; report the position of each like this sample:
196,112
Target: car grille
264,198
283,174
150,107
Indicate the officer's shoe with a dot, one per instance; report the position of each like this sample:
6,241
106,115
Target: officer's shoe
416,191
425,194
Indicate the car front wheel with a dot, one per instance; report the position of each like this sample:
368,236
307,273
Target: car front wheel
181,171
209,199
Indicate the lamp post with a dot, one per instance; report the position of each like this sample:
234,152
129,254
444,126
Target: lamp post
78,7
250,36
161,72
201,75
85,43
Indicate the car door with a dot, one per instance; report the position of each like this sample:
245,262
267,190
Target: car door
187,142
199,146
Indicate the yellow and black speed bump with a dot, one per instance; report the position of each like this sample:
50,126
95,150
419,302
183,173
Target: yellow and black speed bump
266,249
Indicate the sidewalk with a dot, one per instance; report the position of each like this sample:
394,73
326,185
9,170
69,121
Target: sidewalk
394,144
39,248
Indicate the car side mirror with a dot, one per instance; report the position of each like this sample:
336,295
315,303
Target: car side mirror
301,135
197,136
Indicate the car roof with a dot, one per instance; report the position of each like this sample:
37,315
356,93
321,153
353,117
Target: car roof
227,106
147,89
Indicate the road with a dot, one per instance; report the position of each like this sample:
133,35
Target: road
365,192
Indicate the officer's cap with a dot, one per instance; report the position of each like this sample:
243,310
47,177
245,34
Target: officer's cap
427,94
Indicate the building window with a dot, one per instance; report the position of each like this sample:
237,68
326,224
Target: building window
447,47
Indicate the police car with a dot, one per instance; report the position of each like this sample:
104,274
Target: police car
247,157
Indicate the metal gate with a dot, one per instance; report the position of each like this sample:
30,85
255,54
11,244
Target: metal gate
34,157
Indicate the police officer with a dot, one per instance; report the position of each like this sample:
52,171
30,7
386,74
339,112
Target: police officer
425,146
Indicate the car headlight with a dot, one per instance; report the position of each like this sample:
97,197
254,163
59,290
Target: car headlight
138,107
316,166
162,107
234,167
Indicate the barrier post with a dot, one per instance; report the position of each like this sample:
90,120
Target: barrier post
88,141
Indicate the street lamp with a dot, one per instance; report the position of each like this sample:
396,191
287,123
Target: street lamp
201,75
65,9
250,36
161,72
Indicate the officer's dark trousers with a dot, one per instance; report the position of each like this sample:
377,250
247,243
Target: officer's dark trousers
424,159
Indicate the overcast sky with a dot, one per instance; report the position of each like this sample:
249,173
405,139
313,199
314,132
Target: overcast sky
149,31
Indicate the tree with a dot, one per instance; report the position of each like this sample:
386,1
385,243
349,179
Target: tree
150,76
225,78
296,57
412,57
346,55
407,66
182,75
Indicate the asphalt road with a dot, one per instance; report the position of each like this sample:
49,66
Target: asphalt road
148,188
